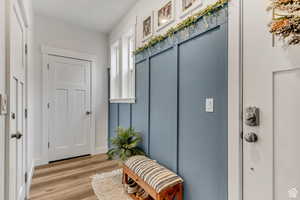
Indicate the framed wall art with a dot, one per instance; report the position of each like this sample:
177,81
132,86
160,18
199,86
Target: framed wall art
187,6
147,26
164,15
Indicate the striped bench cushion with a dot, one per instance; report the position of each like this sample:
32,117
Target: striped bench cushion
155,175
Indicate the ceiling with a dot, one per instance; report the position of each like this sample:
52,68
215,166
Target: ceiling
99,15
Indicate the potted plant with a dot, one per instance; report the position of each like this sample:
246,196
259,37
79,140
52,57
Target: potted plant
125,144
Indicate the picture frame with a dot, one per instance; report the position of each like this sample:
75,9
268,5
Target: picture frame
188,6
147,26
3,104
165,14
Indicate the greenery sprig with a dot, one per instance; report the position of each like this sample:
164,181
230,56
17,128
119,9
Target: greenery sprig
209,10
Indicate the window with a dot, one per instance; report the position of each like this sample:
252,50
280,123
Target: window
123,71
131,67
114,71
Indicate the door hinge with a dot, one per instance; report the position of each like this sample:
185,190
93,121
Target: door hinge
48,66
26,49
48,105
26,113
26,177
48,145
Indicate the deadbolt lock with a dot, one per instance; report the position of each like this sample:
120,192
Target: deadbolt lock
252,116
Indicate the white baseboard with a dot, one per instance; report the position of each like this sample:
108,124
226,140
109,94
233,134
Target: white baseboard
30,175
39,162
100,150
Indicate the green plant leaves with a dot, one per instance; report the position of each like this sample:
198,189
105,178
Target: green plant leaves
125,144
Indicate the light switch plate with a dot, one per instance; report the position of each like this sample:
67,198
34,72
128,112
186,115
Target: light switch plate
209,105
3,104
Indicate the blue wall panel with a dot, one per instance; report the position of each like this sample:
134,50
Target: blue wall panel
124,115
140,114
171,88
202,135
163,108
113,119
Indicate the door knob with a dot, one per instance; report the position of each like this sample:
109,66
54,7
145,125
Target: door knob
88,112
18,135
251,137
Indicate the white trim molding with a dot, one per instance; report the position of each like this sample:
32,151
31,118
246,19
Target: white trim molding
46,50
100,150
123,100
30,176
235,92
51,51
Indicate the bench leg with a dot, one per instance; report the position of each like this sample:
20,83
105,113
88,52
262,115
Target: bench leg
179,195
125,178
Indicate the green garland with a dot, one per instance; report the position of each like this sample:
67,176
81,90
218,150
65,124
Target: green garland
209,10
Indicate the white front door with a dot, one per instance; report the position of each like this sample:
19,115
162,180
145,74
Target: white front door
17,134
271,83
69,107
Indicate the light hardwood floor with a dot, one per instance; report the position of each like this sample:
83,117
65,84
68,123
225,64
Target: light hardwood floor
69,179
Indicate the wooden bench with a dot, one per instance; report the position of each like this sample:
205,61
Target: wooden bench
170,193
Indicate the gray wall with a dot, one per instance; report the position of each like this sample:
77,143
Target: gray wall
171,88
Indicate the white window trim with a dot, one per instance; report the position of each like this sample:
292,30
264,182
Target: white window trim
116,94
122,44
131,72
123,100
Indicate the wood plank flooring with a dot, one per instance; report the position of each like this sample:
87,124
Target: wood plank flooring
69,179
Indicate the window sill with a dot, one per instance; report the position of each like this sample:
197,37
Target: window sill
123,100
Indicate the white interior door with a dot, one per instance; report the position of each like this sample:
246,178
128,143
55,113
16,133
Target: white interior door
69,107
17,134
271,83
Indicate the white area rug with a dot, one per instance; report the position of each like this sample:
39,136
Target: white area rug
108,186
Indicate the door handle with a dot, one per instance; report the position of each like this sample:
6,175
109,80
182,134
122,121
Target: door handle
88,112
251,137
18,135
